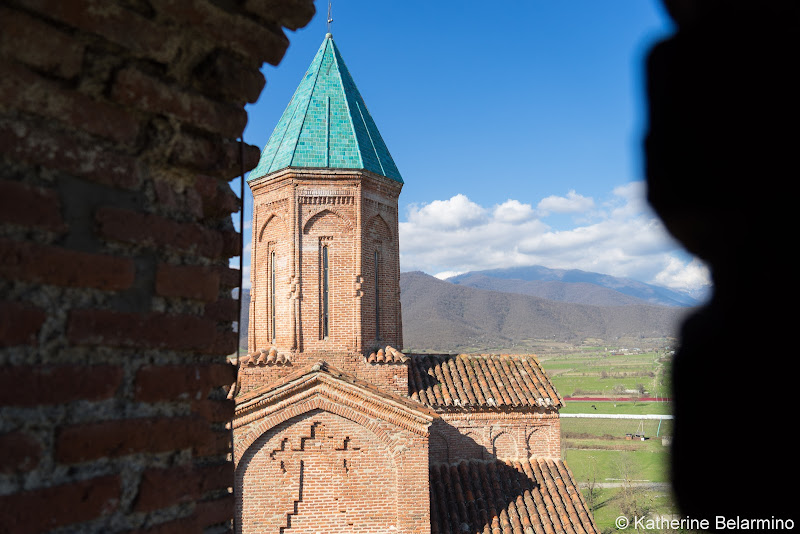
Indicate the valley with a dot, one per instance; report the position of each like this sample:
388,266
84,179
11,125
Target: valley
618,450
619,347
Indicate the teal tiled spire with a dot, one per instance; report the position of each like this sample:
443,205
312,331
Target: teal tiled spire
326,124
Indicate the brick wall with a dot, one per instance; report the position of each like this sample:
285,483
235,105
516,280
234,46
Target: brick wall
324,452
489,435
354,214
296,213
389,377
321,472
118,137
381,234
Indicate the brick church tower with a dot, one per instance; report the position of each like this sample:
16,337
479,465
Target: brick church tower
325,257
335,429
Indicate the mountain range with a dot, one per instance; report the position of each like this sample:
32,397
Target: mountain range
573,285
531,309
442,316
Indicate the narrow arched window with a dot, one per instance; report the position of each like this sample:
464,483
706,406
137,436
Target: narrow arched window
325,292
273,322
377,296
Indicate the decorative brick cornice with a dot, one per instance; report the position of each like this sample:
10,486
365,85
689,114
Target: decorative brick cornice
301,175
486,417
359,400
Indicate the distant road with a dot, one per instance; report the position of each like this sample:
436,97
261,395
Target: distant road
616,415
648,485
619,399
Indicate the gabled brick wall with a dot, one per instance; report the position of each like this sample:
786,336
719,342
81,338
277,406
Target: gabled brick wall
118,136
323,451
322,472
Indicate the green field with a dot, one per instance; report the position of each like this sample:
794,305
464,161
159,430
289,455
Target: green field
615,428
604,374
629,407
618,476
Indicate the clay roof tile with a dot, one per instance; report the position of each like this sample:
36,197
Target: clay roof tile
388,355
480,382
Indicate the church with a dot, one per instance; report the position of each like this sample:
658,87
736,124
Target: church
336,429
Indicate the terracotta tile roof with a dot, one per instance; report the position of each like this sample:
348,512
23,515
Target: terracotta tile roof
264,357
480,381
513,497
388,355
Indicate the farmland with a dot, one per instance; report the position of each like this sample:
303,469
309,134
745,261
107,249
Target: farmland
600,372
620,474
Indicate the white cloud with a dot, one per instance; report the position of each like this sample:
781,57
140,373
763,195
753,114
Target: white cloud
623,238
469,236
512,211
246,276
620,237
457,212
572,203
629,200
444,275
692,277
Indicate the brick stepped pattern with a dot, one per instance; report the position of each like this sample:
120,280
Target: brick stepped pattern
447,382
511,497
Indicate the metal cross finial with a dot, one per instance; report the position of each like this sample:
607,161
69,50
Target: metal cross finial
329,17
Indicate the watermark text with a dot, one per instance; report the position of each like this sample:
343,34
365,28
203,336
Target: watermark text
688,523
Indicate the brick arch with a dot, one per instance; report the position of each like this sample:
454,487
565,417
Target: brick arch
504,445
531,437
272,217
473,436
439,447
318,403
315,216
379,224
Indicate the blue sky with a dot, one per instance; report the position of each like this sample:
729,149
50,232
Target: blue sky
517,127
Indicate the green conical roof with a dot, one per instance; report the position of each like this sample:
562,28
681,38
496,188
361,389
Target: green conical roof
326,124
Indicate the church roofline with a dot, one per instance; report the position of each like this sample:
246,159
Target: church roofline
311,173
322,379
536,491
481,382
326,124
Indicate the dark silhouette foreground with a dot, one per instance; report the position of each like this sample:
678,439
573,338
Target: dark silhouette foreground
720,151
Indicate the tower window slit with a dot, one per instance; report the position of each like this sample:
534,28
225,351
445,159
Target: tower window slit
377,297
273,322
325,293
